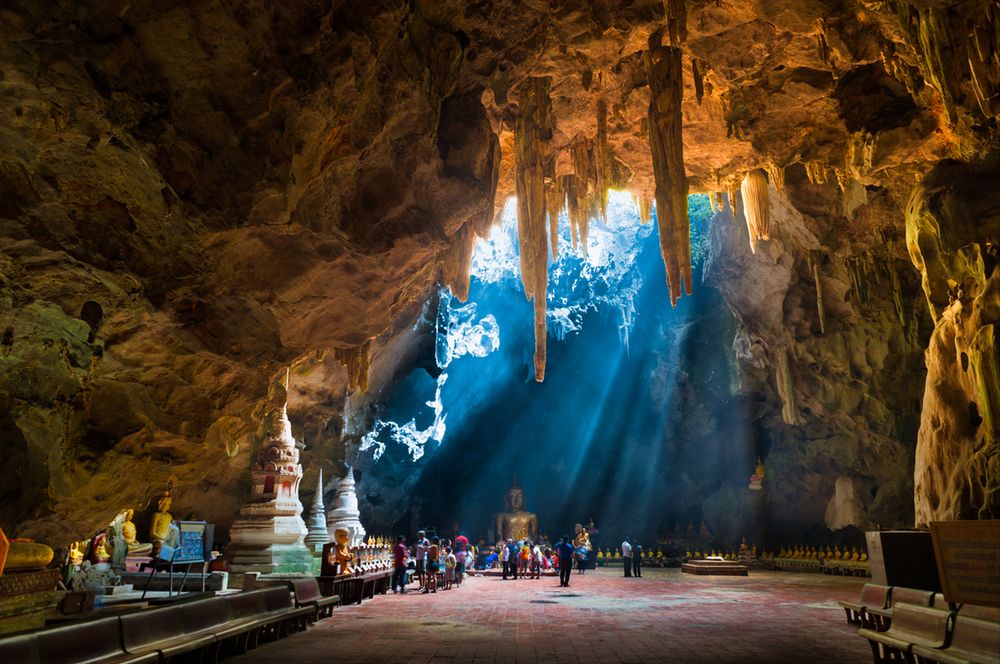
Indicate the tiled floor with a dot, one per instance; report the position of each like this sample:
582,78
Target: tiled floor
766,618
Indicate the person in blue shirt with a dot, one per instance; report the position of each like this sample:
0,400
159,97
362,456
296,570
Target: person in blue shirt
565,552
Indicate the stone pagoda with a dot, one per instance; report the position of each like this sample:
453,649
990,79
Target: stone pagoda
345,513
269,534
316,522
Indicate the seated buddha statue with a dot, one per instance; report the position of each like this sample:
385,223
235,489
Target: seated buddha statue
159,527
342,553
129,534
582,538
516,523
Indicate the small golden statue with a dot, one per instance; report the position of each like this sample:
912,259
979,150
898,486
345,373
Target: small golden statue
159,527
135,547
582,538
343,556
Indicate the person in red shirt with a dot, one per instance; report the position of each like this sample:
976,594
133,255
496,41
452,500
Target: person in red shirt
399,554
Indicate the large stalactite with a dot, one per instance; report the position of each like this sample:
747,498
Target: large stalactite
757,207
664,74
532,134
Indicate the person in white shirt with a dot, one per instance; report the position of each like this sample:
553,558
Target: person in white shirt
627,557
420,554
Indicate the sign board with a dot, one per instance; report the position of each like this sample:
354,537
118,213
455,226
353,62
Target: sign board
193,542
968,560
903,558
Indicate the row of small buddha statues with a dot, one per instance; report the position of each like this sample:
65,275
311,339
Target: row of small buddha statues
374,555
814,553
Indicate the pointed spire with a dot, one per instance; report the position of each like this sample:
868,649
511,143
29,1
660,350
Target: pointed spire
316,523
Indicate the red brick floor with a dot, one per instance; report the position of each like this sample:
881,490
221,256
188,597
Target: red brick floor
766,618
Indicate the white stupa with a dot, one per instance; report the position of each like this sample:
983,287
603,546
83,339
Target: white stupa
316,521
269,534
345,513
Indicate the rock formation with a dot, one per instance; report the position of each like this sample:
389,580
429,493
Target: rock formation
193,196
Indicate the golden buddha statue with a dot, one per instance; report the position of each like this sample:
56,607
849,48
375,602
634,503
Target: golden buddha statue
516,523
23,554
159,527
581,540
854,553
342,553
135,547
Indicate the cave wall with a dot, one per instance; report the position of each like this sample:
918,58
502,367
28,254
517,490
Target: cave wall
196,195
830,347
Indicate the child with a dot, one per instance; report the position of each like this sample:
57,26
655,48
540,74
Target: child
449,567
432,567
461,558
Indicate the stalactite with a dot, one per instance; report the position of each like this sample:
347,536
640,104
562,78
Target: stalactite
757,207
357,360
676,13
822,48
786,390
776,174
603,156
554,203
664,73
816,171
582,170
984,62
696,73
572,208
820,307
532,134
734,205
493,160
459,261
713,202
645,209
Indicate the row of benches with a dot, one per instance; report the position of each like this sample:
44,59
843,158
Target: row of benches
919,626
211,627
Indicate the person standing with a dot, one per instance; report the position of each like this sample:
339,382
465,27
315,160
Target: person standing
449,567
420,553
627,557
512,550
636,560
431,571
505,558
399,555
565,552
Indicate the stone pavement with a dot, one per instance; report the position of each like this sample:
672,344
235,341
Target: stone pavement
667,616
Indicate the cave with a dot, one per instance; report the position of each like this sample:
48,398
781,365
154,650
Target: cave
711,281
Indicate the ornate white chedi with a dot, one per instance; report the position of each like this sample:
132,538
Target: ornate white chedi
316,521
345,513
269,534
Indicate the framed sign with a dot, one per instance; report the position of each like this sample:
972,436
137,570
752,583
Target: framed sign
968,560
193,542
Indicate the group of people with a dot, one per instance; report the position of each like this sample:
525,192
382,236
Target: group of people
523,558
431,556
632,557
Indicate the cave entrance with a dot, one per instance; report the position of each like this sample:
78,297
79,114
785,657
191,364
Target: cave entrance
638,396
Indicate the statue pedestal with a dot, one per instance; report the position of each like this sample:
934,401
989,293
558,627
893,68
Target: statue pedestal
267,543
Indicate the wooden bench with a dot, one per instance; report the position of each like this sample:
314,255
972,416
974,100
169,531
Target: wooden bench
308,595
163,631
881,619
19,648
873,595
93,641
975,639
912,625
